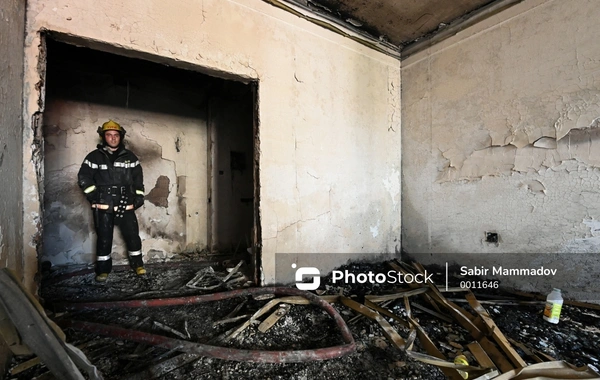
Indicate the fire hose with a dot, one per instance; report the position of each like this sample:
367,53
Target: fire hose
254,356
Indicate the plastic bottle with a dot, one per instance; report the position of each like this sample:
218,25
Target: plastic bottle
554,303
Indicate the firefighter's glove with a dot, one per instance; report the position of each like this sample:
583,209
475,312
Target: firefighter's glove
91,193
138,201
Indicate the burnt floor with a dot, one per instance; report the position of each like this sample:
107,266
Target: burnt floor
302,327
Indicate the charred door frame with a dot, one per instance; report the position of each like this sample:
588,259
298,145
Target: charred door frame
256,230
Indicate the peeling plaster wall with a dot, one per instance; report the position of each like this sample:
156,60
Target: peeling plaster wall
501,134
12,25
329,112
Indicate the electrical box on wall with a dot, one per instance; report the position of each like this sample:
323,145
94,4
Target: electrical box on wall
491,237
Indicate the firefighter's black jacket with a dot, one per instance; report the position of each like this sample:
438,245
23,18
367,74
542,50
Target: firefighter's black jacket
104,176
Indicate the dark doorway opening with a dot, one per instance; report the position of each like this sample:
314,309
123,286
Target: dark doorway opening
195,135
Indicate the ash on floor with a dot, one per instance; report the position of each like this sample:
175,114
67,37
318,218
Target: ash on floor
574,339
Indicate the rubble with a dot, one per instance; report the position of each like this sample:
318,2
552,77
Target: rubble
128,331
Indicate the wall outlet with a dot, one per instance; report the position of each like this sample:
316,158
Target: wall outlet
491,237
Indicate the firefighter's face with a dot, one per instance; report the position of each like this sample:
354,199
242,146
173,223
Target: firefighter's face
112,138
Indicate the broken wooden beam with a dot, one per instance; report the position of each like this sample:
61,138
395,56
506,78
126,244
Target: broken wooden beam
502,363
551,370
388,330
496,334
24,366
169,329
230,320
441,316
268,306
470,323
386,312
273,318
442,363
526,350
480,355
433,350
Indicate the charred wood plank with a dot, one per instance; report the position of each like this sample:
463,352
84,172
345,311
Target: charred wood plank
497,335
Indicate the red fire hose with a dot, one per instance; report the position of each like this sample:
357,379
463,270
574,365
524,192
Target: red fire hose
256,356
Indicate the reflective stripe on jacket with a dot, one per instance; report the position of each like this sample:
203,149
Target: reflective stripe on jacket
98,170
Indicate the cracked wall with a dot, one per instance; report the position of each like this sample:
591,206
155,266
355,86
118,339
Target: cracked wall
501,134
12,26
328,112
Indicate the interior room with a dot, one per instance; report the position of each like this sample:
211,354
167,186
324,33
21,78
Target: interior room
300,158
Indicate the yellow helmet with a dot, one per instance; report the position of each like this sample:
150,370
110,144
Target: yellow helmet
111,126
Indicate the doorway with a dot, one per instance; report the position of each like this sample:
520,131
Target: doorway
195,135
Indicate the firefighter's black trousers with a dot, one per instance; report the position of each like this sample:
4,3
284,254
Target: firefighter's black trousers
104,223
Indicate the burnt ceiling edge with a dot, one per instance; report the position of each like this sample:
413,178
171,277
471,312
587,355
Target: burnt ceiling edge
457,26
338,26
301,9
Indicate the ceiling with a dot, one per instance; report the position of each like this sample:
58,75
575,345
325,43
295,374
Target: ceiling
403,26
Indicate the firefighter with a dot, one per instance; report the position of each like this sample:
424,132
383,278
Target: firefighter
112,180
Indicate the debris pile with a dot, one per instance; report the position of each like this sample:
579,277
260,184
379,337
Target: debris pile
189,322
